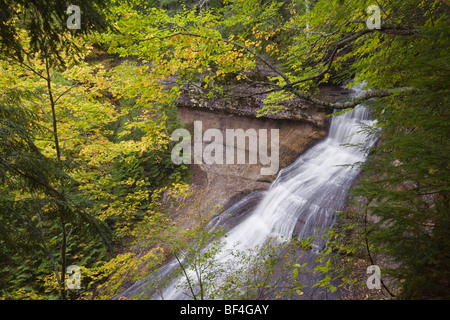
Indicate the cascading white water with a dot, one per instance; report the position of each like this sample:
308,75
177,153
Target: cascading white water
302,201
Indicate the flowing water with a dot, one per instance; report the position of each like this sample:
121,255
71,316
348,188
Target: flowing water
302,201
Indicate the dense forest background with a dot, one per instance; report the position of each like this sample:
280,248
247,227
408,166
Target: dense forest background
86,119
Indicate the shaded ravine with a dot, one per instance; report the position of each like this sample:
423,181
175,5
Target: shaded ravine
301,202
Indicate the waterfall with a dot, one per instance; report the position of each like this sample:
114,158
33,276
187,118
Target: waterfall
303,199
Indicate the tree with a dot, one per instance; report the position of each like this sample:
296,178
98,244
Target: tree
34,38
36,201
217,53
403,63
99,140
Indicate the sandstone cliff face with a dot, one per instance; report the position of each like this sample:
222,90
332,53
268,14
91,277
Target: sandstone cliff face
216,186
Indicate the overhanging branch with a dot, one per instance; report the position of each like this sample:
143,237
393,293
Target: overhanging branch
378,93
